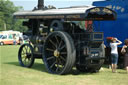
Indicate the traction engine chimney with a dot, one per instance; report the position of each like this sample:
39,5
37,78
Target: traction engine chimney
40,4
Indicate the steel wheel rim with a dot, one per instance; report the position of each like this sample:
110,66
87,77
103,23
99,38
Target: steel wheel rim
25,55
56,53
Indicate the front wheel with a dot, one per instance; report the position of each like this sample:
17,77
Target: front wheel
1,43
59,53
25,55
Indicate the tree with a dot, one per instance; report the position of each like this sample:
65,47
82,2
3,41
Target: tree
7,22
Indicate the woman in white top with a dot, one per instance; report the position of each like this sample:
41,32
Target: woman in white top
114,53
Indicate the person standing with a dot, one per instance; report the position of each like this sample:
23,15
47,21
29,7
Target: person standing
124,51
114,53
14,39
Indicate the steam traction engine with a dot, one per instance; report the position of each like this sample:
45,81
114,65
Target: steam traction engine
56,37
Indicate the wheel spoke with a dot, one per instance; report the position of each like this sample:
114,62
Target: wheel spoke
62,47
57,68
23,56
57,40
63,53
60,44
63,58
26,48
53,64
60,61
49,58
23,51
29,59
49,49
29,50
52,43
25,61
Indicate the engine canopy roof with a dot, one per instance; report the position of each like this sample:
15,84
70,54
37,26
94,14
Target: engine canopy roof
78,13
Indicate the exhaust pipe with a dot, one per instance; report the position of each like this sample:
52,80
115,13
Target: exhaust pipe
40,4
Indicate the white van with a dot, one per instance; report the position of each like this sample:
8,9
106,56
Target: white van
10,37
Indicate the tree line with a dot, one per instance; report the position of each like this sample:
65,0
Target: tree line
7,22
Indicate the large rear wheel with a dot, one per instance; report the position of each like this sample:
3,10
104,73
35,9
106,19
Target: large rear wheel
59,53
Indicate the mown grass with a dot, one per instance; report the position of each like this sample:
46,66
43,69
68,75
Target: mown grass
11,73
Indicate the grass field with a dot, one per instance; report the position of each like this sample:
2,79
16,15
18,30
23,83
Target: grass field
11,73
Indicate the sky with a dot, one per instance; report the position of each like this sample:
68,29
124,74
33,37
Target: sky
30,4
